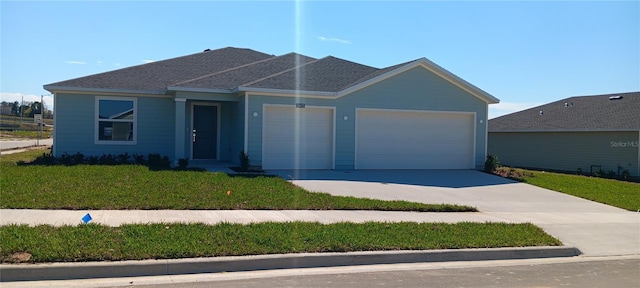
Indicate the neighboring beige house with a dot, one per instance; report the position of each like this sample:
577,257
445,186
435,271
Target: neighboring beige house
585,133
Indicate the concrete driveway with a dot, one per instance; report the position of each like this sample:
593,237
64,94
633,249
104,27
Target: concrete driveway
596,229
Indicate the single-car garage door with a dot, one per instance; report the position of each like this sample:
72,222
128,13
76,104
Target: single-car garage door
388,139
297,138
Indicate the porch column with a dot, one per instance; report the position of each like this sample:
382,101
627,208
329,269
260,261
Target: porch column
179,129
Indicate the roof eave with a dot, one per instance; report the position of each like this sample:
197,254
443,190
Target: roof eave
53,89
202,90
286,92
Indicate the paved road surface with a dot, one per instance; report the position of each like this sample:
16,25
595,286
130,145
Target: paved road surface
573,272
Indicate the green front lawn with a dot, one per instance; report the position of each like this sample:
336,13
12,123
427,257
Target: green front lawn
160,241
622,194
137,187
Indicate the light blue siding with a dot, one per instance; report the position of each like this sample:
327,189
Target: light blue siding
416,89
75,126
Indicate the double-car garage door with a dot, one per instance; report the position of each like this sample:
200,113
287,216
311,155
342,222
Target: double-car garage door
387,139
303,138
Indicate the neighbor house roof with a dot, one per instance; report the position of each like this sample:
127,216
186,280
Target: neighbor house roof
232,70
610,112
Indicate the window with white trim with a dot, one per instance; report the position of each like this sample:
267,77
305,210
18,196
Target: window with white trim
115,120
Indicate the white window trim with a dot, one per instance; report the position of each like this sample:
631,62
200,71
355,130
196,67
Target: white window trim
96,136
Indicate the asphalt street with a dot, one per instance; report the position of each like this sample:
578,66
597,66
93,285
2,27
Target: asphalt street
554,272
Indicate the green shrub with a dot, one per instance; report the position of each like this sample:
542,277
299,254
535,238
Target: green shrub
107,159
245,163
625,174
123,158
157,162
139,159
183,163
92,160
491,164
45,159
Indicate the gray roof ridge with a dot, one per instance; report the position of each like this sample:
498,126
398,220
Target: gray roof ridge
151,63
345,60
378,72
282,72
230,69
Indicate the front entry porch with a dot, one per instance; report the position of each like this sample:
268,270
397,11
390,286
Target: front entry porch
206,131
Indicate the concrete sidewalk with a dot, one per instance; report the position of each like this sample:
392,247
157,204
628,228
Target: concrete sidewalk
118,217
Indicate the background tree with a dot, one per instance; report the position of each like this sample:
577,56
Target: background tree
15,108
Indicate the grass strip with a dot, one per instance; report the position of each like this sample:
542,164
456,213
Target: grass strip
136,187
170,241
621,194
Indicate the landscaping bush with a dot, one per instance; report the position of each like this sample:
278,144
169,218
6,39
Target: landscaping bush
139,159
107,159
157,162
491,164
245,163
123,158
183,163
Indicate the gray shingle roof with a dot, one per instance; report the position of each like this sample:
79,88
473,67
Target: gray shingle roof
232,78
328,74
581,113
156,76
229,70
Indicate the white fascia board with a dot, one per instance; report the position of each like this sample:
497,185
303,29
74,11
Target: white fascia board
434,68
203,90
283,92
53,89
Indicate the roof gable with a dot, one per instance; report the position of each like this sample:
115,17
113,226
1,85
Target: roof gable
581,113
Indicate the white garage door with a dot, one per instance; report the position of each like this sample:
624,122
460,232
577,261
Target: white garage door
387,139
297,138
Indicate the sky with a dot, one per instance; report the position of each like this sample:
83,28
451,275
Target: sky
524,53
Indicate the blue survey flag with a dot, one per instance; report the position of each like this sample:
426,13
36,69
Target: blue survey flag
86,218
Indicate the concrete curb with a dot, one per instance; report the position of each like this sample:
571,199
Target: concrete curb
86,270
